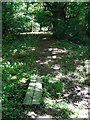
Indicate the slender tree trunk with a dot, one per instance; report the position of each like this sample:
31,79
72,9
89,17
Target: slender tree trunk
32,20
4,8
88,19
88,30
59,14
40,27
27,11
32,23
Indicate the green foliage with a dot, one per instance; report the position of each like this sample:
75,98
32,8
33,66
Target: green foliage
43,17
56,88
52,89
76,23
72,25
59,109
7,17
70,22
66,20
87,80
16,75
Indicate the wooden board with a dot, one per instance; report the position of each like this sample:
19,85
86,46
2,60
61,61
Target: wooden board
34,92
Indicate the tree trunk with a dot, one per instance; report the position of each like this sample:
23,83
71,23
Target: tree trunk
27,11
32,18
88,30
40,27
59,16
88,19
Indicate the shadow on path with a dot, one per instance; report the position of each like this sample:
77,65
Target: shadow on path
65,63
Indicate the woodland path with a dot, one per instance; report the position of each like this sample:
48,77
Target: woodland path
49,60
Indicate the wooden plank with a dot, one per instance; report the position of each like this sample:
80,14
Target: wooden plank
40,33
38,91
38,85
34,92
37,97
29,96
27,100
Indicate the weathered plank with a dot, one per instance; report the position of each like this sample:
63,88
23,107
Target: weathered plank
43,33
29,96
37,94
36,97
33,95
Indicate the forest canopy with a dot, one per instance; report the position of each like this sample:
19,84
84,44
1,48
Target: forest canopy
69,20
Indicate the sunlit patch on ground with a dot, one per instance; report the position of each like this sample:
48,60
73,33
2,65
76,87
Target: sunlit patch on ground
56,67
14,77
33,115
33,49
14,51
23,80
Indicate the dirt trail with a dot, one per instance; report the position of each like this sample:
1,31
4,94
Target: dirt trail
49,60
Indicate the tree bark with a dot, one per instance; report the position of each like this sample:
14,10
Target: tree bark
88,19
59,14
27,11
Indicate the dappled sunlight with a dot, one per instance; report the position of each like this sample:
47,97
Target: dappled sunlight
77,99
22,52
45,116
87,65
23,80
31,114
60,75
46,63
63,91
1,59
50,49
55,107
38,86
45,38
51,103
43,63
57,50
14,51
55,67
14,77
49,60
23,46
50,56
78,74
33,49
50,111
54,57
37,61
74,94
